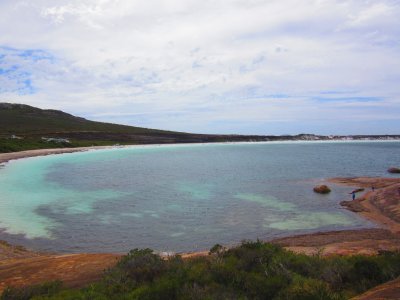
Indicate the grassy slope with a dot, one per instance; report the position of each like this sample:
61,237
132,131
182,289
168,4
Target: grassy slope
33,123
28,120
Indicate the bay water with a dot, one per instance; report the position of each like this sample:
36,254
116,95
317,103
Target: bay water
182,197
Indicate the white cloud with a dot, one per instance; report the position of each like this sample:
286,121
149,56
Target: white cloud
176,61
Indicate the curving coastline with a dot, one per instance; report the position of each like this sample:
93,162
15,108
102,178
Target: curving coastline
5,157
381,206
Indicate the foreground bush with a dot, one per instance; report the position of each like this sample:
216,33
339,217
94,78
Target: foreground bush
46,289
254,270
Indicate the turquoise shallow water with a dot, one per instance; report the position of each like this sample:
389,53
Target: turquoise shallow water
182,197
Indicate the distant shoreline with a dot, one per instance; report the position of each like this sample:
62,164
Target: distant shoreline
7,156
23,127
364,204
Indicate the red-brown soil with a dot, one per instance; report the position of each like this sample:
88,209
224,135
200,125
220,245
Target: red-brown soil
388,290
74,270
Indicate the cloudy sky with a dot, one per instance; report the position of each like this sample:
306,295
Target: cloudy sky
242,66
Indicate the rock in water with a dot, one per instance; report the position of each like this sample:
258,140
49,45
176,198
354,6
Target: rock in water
322,189
394,170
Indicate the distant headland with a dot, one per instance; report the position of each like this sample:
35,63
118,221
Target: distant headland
23,127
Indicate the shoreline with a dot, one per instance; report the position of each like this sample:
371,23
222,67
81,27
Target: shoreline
381,206
8,156
368,241
362,205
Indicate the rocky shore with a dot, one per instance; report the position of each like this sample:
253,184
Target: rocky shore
380,205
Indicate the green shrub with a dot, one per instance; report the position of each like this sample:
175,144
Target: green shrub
309,289
254,270
25,293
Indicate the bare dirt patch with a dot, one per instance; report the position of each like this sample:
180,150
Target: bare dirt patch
74,270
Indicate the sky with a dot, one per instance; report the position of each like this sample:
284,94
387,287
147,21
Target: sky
240,66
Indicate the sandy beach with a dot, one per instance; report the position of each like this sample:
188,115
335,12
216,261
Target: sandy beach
5,157
20,266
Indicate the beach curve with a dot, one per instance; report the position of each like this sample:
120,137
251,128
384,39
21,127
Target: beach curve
375,206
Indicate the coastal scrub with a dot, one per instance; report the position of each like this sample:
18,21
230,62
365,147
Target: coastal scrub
254,270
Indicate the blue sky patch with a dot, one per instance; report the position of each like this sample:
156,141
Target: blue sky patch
348,99
36,55
26,88
333,92
17,67
266,66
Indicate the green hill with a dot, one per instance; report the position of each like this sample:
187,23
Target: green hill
23,127
27,120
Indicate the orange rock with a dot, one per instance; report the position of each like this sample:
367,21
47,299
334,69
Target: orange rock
322,189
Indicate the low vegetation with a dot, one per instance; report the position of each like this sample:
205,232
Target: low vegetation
254,270
22,127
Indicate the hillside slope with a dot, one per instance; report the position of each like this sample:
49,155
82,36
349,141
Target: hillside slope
23,127
27,120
